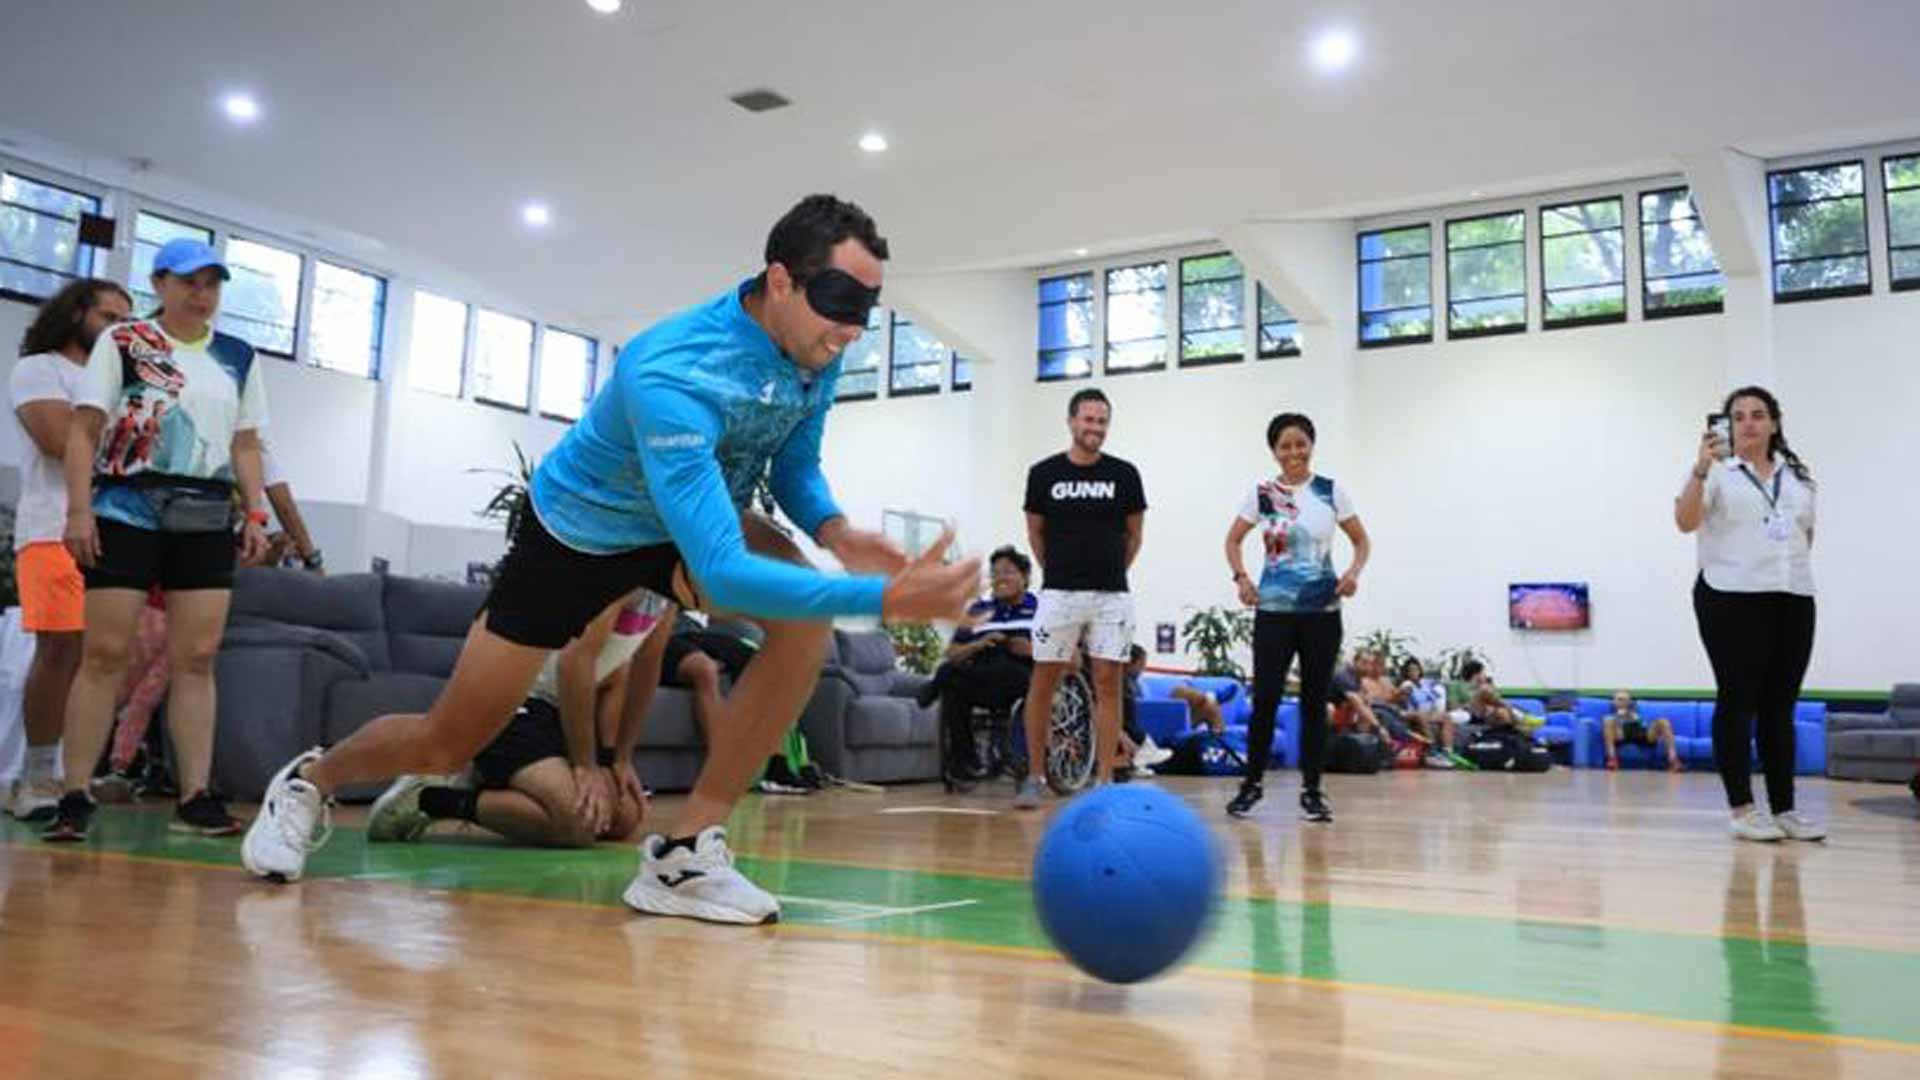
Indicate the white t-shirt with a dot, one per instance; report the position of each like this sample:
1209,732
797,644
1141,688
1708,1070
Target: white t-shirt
1296,525
630,630
172,408
42,513
1748,542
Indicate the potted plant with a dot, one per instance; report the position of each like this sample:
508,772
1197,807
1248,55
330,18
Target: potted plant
1215,633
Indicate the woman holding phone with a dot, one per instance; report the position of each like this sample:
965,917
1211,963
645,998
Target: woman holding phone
1749,501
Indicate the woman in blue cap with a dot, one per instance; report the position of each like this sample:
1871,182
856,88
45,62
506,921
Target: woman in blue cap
166,425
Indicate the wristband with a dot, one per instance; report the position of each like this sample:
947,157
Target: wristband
606,757
258,517
1240,575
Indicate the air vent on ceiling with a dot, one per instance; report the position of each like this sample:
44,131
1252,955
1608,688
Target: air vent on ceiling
761,100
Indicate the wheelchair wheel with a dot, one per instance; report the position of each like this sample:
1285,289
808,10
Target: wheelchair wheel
1071,753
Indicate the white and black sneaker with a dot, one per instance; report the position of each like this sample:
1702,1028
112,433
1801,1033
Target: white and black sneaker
700,883
396,816
1314,807
294,819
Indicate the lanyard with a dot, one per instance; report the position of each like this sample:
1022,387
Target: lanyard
1773,498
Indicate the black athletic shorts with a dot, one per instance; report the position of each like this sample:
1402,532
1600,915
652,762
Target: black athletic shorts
546,593
1633,731
134,558
534,734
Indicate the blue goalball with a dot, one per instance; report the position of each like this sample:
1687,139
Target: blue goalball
1124,881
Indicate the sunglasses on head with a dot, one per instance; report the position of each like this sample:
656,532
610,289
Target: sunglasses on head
838,296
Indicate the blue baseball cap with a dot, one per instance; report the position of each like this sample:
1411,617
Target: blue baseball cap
184,256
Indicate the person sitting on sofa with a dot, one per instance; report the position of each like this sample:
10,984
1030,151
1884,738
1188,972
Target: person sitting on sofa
1623,725
1484,704
592,694
1424,705
1351,710
988,663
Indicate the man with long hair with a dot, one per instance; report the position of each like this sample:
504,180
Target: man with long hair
53,358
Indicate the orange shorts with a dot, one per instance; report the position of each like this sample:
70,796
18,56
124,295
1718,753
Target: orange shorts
53,596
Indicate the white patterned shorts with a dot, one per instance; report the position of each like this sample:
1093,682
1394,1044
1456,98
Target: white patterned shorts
1103,621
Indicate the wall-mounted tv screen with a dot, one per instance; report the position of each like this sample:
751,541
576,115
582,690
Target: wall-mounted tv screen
1552,605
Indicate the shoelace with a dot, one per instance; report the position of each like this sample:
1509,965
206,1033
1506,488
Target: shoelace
304,839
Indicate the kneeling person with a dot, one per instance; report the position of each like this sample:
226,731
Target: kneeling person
561,773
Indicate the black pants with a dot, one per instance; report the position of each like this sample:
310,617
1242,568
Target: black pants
1277,637
993,681
1758,644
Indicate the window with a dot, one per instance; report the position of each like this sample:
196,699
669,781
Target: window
1583,270
349,314
439,344
40,250
1487,275
1213,316
502,359
261,304
860,361
962,373
1396,286
1819,232
1066,327
1682,276
1279,330
917,360
1137,318
567,366
150,231
1903,219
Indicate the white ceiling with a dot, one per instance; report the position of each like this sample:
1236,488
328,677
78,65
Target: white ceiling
1020,130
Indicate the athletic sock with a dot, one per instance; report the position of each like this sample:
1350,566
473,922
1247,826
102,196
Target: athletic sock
449,803
43,762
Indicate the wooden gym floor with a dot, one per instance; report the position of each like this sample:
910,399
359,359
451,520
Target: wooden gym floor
1566,925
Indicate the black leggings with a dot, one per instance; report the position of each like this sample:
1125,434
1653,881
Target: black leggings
1758,644
1277,637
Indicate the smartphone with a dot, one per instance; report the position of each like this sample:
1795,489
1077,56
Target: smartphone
1722,427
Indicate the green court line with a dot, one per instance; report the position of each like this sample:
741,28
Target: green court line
1835,991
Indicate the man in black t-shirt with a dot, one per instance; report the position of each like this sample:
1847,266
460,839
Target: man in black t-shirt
1085,513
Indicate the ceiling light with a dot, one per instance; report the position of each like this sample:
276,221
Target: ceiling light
604,7
241,108
1334,50
1080,252
873,142
536,215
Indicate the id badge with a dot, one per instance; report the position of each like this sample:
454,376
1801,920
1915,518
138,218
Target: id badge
1779,529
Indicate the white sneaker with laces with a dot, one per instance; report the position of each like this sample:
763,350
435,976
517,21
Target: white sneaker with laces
1149,754
35,800
283,832
1798,826
396,815
698,884
1757,825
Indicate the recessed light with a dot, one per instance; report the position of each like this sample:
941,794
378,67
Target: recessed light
240,108
604,7
1334,50
536,215
873,142
1080,252
1476,193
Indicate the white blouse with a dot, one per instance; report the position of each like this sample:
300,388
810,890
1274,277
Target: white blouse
1756,537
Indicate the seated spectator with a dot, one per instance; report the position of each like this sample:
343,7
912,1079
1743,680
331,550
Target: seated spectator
1383,698
1623,725
1351,711
1137,747
988,664
1485,706
1423,704
698,655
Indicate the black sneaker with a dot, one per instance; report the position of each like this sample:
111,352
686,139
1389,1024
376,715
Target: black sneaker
1313,807
1243,803
70,820
205,814
811,778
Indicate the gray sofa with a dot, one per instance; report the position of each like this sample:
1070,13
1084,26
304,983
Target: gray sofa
863,723
308,660
1883,746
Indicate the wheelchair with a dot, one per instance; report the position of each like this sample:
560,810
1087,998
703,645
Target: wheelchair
1000,740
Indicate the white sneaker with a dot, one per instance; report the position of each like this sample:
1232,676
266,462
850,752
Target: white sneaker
283,832
698,884
396,814
1798,826
35,800
1758,825
1148,754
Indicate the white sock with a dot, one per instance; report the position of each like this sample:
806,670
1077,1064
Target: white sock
43,762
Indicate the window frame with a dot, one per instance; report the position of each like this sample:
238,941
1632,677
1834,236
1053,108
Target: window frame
1647,309
1259,324
92,254
1095,346
1773,237
880,355
1526,316
540,373
466,342
473,351
954,384
301,285
1540,215
1361,262
377,358
894,390
1180,302
1105,338
1896,283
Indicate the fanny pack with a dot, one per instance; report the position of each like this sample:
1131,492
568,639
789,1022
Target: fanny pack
188,507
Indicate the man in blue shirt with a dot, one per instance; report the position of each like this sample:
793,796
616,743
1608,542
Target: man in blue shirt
988,663
647,491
